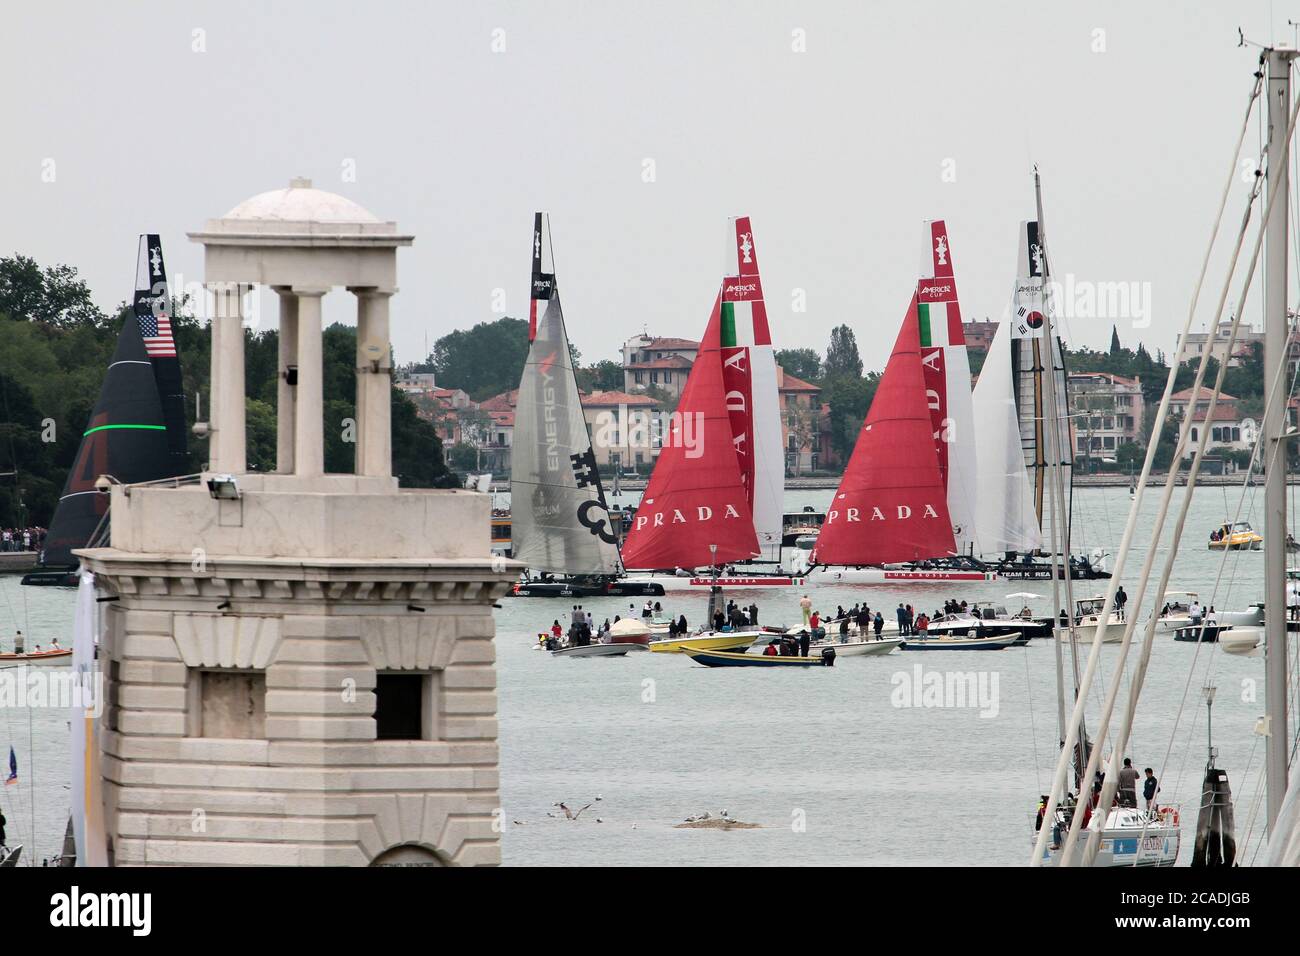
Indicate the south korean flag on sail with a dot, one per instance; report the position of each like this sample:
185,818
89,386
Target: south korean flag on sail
1027,302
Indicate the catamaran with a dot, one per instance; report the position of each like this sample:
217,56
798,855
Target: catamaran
905,508
561,526
720,503
988,441
137,430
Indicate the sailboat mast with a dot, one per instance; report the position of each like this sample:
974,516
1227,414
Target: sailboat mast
1276,334
1060,535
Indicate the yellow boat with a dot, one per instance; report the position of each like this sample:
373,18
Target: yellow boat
1236,537
706,642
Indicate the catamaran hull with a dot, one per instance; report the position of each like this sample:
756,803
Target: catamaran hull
824,575
1014,573
681,582
629,587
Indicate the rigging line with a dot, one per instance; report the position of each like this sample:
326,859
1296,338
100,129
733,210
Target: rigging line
1148,640
1161,415
1170,480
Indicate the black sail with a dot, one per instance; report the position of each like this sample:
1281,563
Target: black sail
126,437
152,307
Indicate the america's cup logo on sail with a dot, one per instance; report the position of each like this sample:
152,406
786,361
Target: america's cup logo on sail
941,250
155,260
746,247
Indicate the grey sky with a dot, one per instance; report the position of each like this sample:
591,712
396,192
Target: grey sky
837,152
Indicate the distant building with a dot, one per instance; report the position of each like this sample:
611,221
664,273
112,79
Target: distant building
627,430
1179,402
1106,412
1197,343
1229,429
411,382
802,423
979,335
661,362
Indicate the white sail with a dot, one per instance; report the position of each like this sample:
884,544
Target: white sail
1006,519
559,519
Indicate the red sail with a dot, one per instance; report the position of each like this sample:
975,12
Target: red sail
891,505
695,498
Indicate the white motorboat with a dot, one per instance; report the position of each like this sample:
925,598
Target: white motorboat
1087,618
868,648
598,650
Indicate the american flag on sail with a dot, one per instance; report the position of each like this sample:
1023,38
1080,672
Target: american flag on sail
156,330
152,299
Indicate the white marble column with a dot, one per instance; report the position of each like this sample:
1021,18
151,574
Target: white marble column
309,438
286,395
374,385
227,448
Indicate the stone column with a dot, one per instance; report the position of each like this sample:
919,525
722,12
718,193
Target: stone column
374,385
287,395
227,444
309,439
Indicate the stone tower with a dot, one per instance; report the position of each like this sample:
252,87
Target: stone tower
299,665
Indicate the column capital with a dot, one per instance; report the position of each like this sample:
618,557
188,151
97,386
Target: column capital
307,291
370,292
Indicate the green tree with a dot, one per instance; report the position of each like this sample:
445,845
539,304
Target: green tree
604,376
842,359
484,360
849,400
801,363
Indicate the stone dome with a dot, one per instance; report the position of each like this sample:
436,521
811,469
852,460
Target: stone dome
301,202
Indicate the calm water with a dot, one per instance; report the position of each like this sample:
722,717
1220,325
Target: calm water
834,771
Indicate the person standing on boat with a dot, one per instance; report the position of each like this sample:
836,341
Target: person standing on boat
1120,600
901,614
1150,787
753,615
844,630
1128,784
879,624
804,640
1194,612
805,604
681,625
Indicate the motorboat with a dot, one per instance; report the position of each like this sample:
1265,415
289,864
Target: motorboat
1235,536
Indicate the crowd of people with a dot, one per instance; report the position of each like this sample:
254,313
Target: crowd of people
22,539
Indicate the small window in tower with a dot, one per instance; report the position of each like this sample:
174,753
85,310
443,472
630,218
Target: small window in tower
404,706
229,703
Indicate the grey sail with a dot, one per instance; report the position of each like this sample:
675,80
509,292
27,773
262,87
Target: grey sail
559,519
